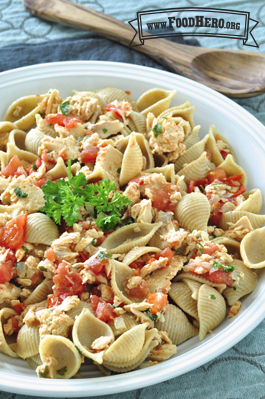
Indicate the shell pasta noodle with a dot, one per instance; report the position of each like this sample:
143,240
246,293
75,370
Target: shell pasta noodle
123,233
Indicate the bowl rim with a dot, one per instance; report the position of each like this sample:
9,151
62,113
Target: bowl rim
196,357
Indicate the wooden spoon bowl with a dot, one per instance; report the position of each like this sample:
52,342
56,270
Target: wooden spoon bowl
235,73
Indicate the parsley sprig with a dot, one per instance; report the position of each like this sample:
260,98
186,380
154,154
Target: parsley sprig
228,268
157,129
63,199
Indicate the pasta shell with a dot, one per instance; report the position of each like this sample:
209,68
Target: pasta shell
211,309
184,111
93,94
252,203
149,344
196,170
5,313
193,138
191,154
232,246
44,127
137,122
99,174
194,286
58,171
13,150
68,359
128,237
34,361
181,295
160,160
22,111
144,146
200,278
122,324
155,101
40,293
6,127
247,282
33,140
78,309
193,212
211,144
252,249
110,94
167,171
28,341
41,229
119,275
231,168
177,325
86,330
137,252
132,156
256,221
3,161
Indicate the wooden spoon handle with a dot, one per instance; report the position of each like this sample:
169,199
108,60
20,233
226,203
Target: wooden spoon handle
81,17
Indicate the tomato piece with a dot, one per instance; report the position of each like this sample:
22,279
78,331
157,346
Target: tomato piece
94,300
70,123
220,277
127,92
89,154
211,249
217,173
139,181
140,292
111,107
95,291
209,153
137,265
234,178
13,234
97,266
224,154
49,254
190,187
19,307
12,167
161,198
216,214
158,301
240,191
7,271
201,182
102,310
55,120
165,253
56,300
67,282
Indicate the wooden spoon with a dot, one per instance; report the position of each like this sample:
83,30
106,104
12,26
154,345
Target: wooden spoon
235,73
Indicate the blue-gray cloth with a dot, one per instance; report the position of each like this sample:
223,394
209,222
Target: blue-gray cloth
239,372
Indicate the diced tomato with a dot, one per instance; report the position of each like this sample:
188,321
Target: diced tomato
234,178
56,300
209,153
165,253
136,265
14,322
102,310
201,182
95,291
216,214
70,123
37,163
89,154
127,92
55,120
240,191
220,277
66,282
224,154
7,271
39,183
44,156
111,107
35,278
217,173
140,292
49,254
13,234
210,249
97,266
139,181
190,187
161,198
158,301
12,167
19,307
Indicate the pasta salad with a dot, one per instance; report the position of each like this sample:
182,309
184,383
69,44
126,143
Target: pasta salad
123,234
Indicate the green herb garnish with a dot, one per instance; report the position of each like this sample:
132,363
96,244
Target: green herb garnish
43,374
78,350
234,288
103,255
151,316
227,269
79,139
203,189
104,130
34,166
62,371
128,221
202,248
64,107
118,170
157,129
94,241
25,249
213,296
20,193
63,199
42,268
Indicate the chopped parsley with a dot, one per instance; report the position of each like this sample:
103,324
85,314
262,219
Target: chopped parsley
20,193
34,166
213,296
103,255
234,288
215,184
50,124
63,199
79,139
40,113
94,241
202,248
78,350
42,268
203,189
227,269
25,249
104,130
43,374
64,107
128,221
62,371
164,117
157,129
151,316
118,170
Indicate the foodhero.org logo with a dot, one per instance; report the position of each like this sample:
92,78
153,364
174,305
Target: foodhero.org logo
193,21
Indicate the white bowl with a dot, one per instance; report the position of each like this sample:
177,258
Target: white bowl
247,137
